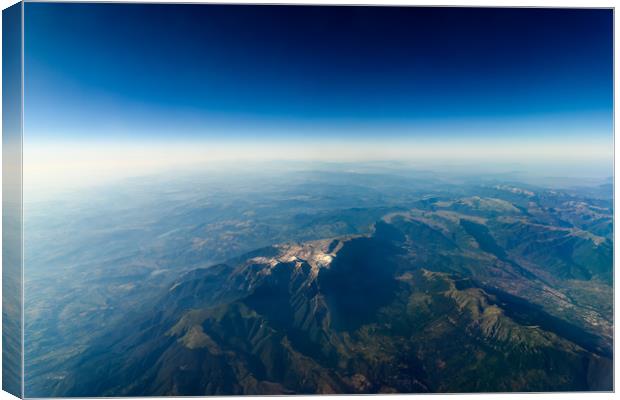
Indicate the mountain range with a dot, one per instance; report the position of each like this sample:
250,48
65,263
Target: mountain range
508,289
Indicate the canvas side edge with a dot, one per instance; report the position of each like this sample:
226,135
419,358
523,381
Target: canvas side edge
12,208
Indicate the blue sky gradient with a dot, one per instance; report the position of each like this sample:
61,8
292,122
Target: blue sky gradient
138,71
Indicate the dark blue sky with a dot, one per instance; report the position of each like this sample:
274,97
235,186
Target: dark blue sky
136,70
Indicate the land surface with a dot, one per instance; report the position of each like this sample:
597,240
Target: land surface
320,282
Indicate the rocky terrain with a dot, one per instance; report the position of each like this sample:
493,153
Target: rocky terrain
508,289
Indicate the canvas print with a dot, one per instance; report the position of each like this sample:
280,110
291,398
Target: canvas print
278,199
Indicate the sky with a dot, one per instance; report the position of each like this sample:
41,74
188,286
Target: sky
195,82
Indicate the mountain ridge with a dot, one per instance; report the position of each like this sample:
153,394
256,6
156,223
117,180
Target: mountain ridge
355,314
